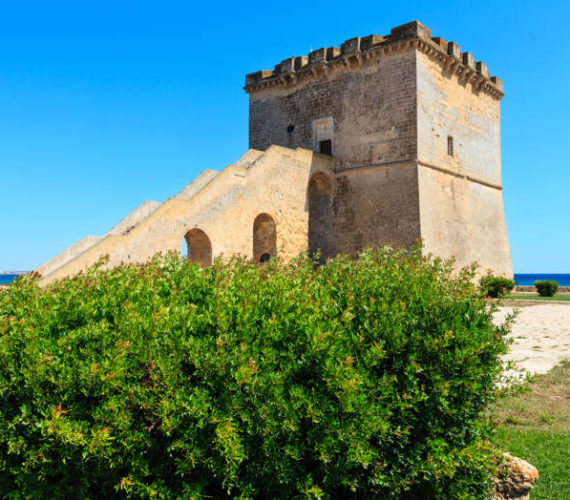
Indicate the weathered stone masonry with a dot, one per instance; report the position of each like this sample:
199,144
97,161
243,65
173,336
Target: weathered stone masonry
387,139
415,132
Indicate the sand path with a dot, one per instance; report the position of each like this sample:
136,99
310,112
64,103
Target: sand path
541,336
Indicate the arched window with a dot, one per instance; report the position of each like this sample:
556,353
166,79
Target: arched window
264,238
321,235
199,248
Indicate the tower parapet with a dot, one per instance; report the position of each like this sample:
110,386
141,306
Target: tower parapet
360,51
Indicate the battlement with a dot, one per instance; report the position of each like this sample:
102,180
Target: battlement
357,52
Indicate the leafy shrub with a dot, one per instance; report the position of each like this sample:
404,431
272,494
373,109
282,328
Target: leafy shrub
546,288
496,286
359,378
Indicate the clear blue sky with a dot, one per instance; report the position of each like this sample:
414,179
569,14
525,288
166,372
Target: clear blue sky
106,104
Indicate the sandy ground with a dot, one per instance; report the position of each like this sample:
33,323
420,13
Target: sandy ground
541,336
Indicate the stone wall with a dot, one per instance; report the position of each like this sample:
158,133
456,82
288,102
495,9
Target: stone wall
225,210
415,138
461,203
376,206
374,119
464,220
374,125
448,106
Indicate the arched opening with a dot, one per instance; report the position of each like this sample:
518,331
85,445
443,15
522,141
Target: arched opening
198,247
264,238
321,235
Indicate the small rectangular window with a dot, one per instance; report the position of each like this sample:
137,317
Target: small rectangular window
323,135
450,145
325,147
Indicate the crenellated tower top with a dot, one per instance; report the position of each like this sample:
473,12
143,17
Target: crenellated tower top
357,52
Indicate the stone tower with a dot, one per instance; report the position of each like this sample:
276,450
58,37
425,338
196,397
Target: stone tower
385,140
413,126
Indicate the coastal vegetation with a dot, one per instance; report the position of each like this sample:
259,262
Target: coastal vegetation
496,286
368,377
546,288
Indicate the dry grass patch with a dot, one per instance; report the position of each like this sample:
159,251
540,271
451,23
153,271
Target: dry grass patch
534,424
546,400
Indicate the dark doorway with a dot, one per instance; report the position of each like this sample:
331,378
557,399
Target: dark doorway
325,147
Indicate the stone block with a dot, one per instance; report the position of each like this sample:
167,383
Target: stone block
332,52
468,59
454,50
415,29
253,78
288,65
515,480
440,41
498,82
301,61
369,41
350,46
482,69
318,56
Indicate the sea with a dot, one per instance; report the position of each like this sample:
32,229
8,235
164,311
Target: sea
529,279
6,279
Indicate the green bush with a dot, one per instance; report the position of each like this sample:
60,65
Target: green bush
546,288
359,378
496,286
